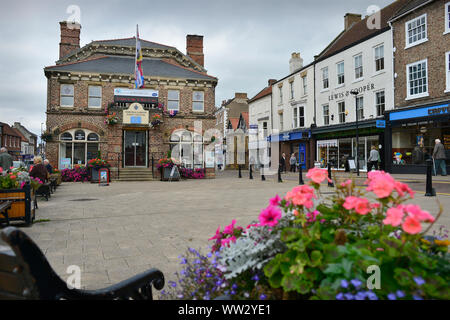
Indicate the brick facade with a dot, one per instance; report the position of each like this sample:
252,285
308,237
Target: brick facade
434,50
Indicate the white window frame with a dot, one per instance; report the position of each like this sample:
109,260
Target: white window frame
419,95
355,67
327,78
89,96
296,121
375,59
376,102
61,95
281,121
177,100
327,116
291,89
305,85
202,101
343,112
447,73
339,74
281,94
447,18
417,42
359,108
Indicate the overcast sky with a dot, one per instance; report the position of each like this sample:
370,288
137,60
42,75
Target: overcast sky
246,42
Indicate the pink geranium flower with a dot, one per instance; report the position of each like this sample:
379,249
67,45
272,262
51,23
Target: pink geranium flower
411,225
217,236
346,183
317,175
275,201
360,205
417,213
394,216
270,216
380,183
301,196
403,188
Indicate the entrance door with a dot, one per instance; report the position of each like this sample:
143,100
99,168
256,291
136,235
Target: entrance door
302,155
135,148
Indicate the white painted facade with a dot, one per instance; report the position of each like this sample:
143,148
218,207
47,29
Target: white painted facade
369,84
259,115
289,99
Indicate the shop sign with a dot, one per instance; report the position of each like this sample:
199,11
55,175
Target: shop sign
381,124
135,114
438,110
64,163
135,95
327,143
344,94
286,137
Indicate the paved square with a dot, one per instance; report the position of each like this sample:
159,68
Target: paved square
117,231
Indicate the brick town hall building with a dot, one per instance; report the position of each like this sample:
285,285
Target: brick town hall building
97,79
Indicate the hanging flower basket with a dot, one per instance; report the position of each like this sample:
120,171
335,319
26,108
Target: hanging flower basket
47,136
156,120
112,119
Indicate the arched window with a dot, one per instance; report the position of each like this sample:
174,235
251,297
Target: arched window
188,150
66,136
76,149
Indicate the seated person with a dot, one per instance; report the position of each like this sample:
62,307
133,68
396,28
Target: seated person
39,170
48,166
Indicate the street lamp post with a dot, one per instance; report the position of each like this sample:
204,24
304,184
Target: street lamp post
355,93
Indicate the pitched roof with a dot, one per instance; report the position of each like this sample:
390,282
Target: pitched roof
245,116
263,93
131,42
22,137
234,122
9,131
411,5
360,31
125,65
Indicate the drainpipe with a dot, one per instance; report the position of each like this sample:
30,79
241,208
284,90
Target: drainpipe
388,131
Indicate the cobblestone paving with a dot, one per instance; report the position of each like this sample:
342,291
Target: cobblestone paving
117,231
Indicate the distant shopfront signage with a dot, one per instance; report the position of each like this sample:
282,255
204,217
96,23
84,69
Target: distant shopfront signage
381,124
443,109
64,163
327,143
344,94
135,114
135,95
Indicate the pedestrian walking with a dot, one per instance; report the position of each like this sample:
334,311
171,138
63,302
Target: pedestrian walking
292,162
439,158
374,157
6,160
283,162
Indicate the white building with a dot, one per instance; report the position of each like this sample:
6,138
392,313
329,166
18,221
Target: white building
293,112
361,59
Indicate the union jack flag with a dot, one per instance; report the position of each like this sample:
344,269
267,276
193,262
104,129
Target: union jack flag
138,73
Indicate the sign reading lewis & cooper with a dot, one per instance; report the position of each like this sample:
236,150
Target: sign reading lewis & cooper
135,95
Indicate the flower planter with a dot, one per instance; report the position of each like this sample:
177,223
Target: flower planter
23,204
165,174
58,177
93,172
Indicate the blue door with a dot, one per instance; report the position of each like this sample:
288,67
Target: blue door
302,155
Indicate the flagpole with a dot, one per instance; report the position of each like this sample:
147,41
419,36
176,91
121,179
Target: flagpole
135,58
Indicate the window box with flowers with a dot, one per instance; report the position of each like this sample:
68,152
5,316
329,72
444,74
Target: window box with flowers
165,166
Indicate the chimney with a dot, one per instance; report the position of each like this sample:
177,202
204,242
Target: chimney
194,48
70,38
350,19
241,96
271,82
295,63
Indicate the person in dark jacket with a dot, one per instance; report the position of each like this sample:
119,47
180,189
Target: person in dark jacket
48,166
39,170
283,162
6,160
439,158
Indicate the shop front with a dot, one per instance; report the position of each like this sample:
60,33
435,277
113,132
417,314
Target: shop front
297,142
411,134
338,144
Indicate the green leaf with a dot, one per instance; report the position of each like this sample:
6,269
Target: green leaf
275,279
334,268
316,258
272,266
403,277
290,234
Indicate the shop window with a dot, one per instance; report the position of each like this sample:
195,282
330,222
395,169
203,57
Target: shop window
447,17
380,103
360,108
198,101
379,58
95,97
326,114
187,150
67,92
416,31
340,73
417,79
173,100
325,81
77,147
358,67
341,111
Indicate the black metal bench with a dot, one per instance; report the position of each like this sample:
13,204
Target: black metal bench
26,274
4,207
44,191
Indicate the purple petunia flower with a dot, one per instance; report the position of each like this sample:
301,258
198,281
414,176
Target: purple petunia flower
262,297
255,278
392,296
234,286
340,296
400,294
356,283
417,297
349,296
360,296
344,283
419,281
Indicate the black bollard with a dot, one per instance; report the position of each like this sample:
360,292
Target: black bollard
330,184
251,173
430,192
263,178
279,174
240,174
300,175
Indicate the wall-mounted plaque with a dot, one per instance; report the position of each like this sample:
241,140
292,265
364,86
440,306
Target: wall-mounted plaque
135,114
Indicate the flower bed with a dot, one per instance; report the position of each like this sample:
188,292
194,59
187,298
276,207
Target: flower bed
307,246
165,163
78,173
192,173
